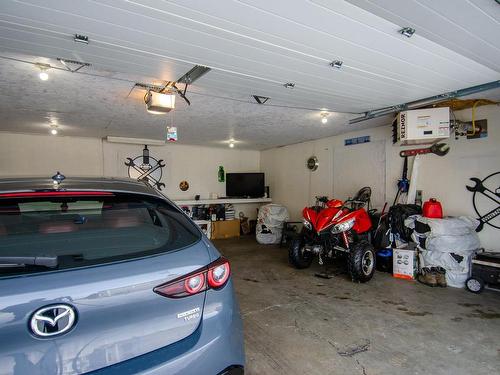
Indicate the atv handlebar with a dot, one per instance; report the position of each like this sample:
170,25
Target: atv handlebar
324,200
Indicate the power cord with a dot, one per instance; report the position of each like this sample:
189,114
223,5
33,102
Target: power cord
473,119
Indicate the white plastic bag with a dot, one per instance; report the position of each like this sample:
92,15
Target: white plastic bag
453,244
451,226
269,238
449,244
270,223
456,279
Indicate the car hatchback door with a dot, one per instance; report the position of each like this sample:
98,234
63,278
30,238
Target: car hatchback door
78,274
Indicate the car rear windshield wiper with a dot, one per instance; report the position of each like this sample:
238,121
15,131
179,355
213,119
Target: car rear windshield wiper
49,262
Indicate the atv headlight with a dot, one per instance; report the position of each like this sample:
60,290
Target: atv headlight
343,227
307,224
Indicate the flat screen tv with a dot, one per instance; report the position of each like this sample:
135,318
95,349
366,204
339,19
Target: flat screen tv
245,185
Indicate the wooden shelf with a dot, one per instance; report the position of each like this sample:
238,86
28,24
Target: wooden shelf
222,201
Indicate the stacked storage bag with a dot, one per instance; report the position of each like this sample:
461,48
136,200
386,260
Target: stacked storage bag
449,243
270,223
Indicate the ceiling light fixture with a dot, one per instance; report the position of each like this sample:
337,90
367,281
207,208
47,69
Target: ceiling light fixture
231,144
159,103
43,75
337,64
407,32
53,130
324,117
289,85
164,95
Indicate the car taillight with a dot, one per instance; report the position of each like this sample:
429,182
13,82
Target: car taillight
218,273
214,276
195,283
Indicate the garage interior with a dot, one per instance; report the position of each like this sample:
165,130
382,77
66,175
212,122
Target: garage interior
317,97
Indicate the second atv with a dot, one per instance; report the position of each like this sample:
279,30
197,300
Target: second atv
334,229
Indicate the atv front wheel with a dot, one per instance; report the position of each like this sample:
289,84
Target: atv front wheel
297,256
361,261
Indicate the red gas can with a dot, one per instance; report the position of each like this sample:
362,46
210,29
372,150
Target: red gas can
432,209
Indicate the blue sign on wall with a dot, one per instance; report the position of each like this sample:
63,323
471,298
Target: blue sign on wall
357,140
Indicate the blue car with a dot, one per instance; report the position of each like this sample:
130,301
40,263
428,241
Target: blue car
107,276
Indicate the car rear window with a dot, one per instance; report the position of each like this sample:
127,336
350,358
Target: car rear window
77,230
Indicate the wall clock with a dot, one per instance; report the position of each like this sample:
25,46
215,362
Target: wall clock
312,163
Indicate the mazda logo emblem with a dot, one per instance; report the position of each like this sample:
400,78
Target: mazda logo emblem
52,320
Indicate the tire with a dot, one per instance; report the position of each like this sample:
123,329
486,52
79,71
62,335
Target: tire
296,256
362,261
474,284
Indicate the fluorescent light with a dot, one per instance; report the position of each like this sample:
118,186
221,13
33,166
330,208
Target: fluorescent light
135,141
159,103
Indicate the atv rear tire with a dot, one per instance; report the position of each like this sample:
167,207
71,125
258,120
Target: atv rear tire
362,261
297,256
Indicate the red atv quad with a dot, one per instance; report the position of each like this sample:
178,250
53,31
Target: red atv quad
334,229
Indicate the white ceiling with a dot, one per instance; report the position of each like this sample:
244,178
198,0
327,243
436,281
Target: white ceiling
468,27
253,47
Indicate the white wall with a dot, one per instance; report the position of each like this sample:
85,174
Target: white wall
36,155
39,155
195,164
441,177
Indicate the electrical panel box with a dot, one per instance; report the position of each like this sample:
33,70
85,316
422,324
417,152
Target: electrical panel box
423,126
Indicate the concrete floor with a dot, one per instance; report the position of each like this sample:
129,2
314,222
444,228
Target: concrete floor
296,323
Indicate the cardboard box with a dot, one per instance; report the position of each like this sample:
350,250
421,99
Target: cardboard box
225,229
403,263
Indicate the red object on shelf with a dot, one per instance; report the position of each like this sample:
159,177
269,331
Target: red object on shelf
432,209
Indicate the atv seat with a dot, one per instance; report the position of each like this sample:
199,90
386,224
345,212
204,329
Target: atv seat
361,199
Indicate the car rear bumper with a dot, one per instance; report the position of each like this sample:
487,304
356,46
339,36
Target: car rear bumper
216,347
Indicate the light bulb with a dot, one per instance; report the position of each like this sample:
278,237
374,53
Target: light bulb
53,131
231,145
324,120
43,75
